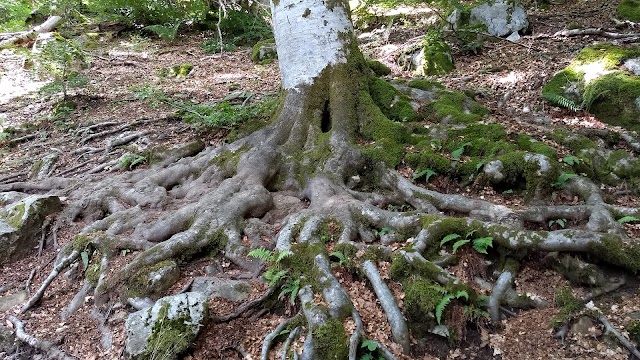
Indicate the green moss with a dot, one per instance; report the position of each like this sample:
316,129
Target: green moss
575,142
613,250
437,55
402,269
629,9
455,108
633,328
385,150
92,274
169,337
378,68
425,158
424,84
80,242
527,143
569,305
375,254
613,99
516,169
481,139
393,104
329,230
420,300
228,159
138,284
331,341
611,55
14,216
255,53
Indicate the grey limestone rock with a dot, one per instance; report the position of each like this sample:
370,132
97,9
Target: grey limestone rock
167,328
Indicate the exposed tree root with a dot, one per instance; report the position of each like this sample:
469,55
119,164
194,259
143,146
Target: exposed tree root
50,349
609,329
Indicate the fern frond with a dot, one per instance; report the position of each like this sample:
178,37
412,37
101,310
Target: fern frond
262,254
442,305
561,100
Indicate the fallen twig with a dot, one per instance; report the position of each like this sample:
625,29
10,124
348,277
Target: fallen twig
623,340
52,351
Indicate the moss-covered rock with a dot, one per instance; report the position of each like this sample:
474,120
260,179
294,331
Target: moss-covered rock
378,68
168,328
420,300
264,51
393,104
20,223
455,108
154,280
592,82
629,9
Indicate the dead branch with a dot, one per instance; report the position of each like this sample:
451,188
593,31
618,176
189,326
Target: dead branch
49,348
595,31
54,273
45,27
623,340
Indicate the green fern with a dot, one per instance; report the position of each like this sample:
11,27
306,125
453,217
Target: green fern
561,100
262,254
481,244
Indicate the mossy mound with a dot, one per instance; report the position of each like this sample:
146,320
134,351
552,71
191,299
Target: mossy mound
455,108
378,68
393,103
592,82
437,56
264,51
630,10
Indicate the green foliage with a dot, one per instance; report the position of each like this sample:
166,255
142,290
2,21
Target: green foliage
561,101
561,181
130,161
85,258
628,219
378,68
276,273
164,32
167,13
457,153
427,173
446,299
13,14
208,117
340,256
63,60
238,28
479,244
370,348
560,222
570,160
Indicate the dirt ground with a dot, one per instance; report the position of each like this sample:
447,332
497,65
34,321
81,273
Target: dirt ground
507,78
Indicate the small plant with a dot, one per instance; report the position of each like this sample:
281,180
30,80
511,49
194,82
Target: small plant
480,244
446,299
340,256
560,222
214,46
457,153
570,160
370,348
63,60
628,219
130,161
164,32
561,181
276,274
427,173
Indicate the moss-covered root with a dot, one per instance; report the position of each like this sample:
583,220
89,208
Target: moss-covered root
326,338
399,329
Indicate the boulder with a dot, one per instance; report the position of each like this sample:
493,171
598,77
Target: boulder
264,51
166,329
501,17
21,223
154,280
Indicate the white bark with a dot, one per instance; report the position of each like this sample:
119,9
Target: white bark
308,38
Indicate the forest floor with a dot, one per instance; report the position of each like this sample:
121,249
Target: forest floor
506,78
